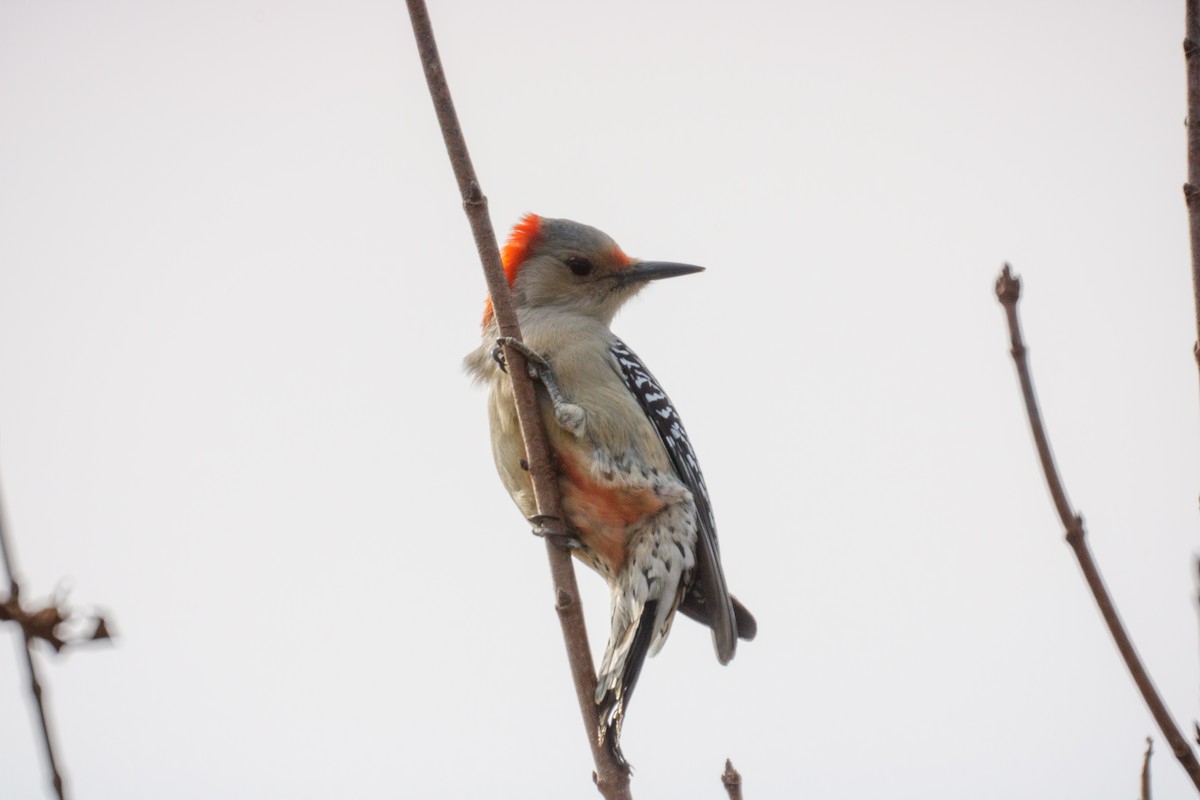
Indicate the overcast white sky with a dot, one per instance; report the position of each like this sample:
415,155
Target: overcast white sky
236,285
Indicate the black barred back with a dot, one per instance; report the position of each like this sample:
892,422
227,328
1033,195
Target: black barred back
706,598
666,421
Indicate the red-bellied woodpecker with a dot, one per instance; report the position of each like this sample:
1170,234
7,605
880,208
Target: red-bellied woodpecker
636,507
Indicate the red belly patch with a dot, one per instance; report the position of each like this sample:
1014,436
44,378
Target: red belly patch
602,511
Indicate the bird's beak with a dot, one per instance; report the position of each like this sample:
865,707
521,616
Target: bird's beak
653,271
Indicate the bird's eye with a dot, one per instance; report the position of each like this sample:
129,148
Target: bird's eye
579,265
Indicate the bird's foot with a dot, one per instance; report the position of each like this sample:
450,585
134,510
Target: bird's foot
537,362
570,416
547,525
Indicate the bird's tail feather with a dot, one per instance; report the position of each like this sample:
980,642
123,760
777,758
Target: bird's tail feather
696,606
618,676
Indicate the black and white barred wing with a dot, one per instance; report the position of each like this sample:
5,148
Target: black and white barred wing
707,598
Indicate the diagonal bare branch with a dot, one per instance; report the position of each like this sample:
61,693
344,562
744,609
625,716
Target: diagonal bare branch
611,780
1008,290
35,689
35,686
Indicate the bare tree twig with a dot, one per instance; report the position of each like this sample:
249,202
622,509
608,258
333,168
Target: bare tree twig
1191,189
611,780
1008,290
10,567
35,686
1146,768
732,779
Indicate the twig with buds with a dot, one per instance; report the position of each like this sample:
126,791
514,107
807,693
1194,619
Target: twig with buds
47,623
1146,768
43,627
1191,189
1008,290
732,780
611,780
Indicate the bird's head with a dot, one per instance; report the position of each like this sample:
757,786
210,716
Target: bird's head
568,265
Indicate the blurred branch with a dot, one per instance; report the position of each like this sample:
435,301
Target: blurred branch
732,779
611,780
1146,768
13,612
1008,290
1191,189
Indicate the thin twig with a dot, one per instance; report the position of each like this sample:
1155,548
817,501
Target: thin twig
1191,189
35,686
10,567
1146,768
612,781
1008,289
732,780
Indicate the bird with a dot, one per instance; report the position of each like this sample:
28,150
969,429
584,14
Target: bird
636,506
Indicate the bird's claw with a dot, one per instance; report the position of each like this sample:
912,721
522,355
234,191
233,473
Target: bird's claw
538,365
548,525
498,357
